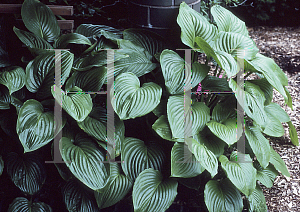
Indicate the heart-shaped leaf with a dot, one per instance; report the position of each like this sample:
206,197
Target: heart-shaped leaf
89,30
223,59
183,162
78,197
138,61
86,161
78,105
66,39
151,193
252,99
175,110
40,72
257,200
162,128
217,84
116,189
223,111
136,157
274,113
228,130
266,87
173,69
210,141
266,175
95,124
271,71
13,78
26,172
31,40
278,163
39,19
5,98
149,40
130,100
227,21
233,43
206,157
34,126
194,25
91,80
21,204
259,145
241,173
222,196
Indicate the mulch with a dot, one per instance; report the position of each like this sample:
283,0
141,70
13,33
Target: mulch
283,45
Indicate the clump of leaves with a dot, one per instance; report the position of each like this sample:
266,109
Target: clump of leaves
155,85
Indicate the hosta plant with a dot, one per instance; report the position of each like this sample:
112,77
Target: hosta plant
156,155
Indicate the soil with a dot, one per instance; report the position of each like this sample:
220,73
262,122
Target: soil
282,44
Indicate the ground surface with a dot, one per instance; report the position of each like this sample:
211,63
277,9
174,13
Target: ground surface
283,45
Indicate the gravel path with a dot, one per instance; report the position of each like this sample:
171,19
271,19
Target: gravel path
283,45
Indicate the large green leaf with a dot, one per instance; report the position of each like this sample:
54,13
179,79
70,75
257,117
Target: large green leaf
89,30
293,134
217,84
162,127
66,39
223,111
259,145
130,100
232,43
222,196
183,162
21,204
253,101
241,173
194,25
27,172
91,80
210,141
40,72
274,113
228,22
116,189
149,40
139,60
278,163
206,157
35,127
266,175
228,130
151,193
271,71
13,78
223,59
175,109
78,197
257,200
266,87
39,19
31,40
86,161
173,69
136,157
78,105
95,124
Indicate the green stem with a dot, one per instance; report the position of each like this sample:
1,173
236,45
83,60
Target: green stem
195,58
207,60
214,102
213,98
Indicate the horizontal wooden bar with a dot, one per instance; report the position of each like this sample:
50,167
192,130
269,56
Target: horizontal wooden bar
63,24
56,9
